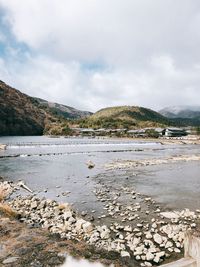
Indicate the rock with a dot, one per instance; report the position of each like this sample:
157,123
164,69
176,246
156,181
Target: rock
128,228
90,164
139,250
170,215
36,263
125,254
169,244
83,213
91,218
158,256
154,225
67,215
71,220
137,257
148,235
148,264
34,205
149,256
104,232
79,224
94,238
10,260
87,227
158,239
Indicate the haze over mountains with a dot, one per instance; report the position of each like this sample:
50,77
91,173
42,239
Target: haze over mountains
21,114
187,112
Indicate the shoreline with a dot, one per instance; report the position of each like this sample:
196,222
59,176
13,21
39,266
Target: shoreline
154,236
127,164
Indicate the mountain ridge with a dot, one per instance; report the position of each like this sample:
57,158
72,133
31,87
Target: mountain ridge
185,112
21,114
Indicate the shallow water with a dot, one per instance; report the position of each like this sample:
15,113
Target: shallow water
58,165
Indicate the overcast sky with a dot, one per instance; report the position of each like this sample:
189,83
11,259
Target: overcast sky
90,54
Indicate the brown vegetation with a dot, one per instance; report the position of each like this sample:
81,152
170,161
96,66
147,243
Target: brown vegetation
5,208
128,117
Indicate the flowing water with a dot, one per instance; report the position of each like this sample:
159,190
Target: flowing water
56,168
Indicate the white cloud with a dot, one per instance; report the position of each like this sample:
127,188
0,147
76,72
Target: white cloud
70,85
150,50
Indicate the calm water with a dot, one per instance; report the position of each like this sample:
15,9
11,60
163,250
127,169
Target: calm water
59,165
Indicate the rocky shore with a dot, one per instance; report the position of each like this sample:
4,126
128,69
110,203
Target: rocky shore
125,164
140,233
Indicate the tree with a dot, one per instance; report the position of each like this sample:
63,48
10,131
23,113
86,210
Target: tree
198,130
152,133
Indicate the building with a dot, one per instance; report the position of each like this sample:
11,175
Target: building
174,132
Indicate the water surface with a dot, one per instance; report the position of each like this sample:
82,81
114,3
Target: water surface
56,168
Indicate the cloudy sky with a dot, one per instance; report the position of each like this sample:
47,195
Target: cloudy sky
96,53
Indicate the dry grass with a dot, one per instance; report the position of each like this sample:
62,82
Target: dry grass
7,210
64,206
3,193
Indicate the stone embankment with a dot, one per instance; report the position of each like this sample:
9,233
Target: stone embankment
148,243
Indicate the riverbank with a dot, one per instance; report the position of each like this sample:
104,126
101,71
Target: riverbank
24,243
137,233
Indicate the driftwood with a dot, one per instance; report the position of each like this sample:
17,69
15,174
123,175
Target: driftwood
21,184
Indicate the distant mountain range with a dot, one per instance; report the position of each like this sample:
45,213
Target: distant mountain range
185,112
21,114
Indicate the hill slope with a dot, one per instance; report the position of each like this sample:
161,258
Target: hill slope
21,114
18,115
61,110
125,117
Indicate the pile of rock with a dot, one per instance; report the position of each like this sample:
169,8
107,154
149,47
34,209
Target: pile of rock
148,243
126,164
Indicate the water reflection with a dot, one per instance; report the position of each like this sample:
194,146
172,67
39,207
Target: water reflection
72,262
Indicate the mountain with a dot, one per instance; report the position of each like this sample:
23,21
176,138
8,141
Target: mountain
21,114
125,117
61,110
185,112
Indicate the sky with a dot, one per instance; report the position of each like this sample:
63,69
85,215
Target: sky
96,53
